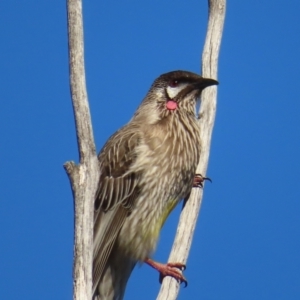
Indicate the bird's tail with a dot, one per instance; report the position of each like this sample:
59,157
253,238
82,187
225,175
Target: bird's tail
115,276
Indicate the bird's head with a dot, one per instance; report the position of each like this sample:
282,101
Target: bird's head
173,92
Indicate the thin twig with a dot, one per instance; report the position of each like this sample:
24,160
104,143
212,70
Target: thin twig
188,218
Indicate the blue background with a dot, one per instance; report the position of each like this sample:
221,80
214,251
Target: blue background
246,245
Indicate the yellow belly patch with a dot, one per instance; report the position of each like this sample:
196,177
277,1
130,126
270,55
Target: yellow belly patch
160,222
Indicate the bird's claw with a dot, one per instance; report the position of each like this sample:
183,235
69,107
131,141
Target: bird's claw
169,269
199,179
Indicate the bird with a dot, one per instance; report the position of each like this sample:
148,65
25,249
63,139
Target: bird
146,168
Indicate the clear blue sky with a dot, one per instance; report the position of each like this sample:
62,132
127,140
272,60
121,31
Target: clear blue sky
246,245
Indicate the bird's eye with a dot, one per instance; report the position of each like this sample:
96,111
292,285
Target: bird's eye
173,83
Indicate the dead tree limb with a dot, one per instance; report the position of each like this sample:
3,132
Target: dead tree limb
84,176
187,223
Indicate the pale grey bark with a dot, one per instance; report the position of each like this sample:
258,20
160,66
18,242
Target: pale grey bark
84,177
188,218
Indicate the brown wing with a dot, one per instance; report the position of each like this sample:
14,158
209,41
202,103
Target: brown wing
115,196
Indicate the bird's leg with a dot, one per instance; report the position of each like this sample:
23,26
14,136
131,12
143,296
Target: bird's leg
199,179
169,269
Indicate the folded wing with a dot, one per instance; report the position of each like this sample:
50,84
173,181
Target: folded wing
117,191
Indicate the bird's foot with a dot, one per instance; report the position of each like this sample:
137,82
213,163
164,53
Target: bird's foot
169,269
199,179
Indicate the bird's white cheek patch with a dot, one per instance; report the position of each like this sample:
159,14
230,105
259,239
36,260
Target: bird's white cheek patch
171,105
174,91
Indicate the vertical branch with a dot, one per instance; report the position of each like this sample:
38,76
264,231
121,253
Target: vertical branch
188,218
83,177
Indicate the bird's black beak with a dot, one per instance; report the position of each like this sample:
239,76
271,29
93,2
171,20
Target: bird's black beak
205,82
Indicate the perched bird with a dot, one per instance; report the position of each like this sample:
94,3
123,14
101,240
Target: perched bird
147,167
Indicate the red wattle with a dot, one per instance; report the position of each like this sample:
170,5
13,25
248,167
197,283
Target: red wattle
171,105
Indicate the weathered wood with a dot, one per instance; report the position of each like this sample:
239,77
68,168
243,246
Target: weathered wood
188,218
84,176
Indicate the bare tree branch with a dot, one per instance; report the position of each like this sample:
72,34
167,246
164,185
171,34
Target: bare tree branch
83,177
188,218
